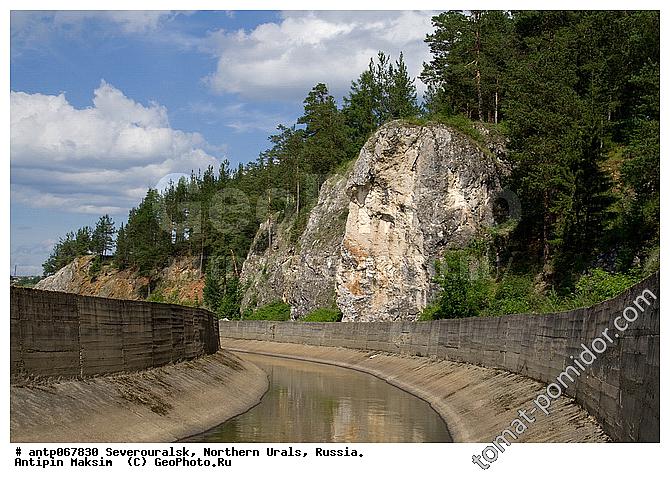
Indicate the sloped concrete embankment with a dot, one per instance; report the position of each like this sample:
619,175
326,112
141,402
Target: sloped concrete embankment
620,389
476,403
161,404
87,369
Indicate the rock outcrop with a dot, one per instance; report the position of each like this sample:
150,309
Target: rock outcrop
75,277
180,282
299,272
370,243
413,192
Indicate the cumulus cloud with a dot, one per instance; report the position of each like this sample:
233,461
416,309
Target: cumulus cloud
99,159
287,58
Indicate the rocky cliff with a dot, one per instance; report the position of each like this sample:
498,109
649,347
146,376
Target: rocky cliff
299,272
180,282
370,243
413,192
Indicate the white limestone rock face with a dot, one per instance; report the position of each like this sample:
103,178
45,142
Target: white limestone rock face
414,191
64,280
371,241
299,269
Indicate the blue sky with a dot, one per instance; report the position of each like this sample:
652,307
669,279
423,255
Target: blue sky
105,104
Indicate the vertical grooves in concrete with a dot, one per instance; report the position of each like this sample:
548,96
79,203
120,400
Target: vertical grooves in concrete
62,334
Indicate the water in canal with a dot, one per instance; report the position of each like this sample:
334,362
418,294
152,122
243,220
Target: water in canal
319,403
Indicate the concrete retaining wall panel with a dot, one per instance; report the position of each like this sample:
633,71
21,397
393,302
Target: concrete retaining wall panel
100,336
15,335
191,335
50,344
62,334
178,317
162,334
137,331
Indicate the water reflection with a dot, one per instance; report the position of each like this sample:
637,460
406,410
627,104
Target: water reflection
310,402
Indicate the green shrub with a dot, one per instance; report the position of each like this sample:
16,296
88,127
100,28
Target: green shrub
514,294
599,285
172,297
156,296
276,310
298,224
262,242
323,315
95,267
344,167
466,287
458,122
553,302
28,282
652,263
431,312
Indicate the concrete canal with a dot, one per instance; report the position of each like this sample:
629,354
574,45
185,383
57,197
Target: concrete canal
312,402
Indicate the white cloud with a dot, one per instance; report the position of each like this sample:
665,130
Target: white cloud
97,159
287,58
136,21
35,29
129,21
239,116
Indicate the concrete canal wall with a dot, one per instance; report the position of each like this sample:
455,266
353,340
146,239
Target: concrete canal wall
91,369
68,335
477,403
620,388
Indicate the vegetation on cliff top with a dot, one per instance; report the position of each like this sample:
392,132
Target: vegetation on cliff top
86,241
577,95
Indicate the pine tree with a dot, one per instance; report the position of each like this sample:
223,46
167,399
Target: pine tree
121,255
402,92
325,131
360,108
148,242
231,300
287,152
83,241
211,292
69,247
102,239
638,229
382,92
449,71
543,112
467,72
